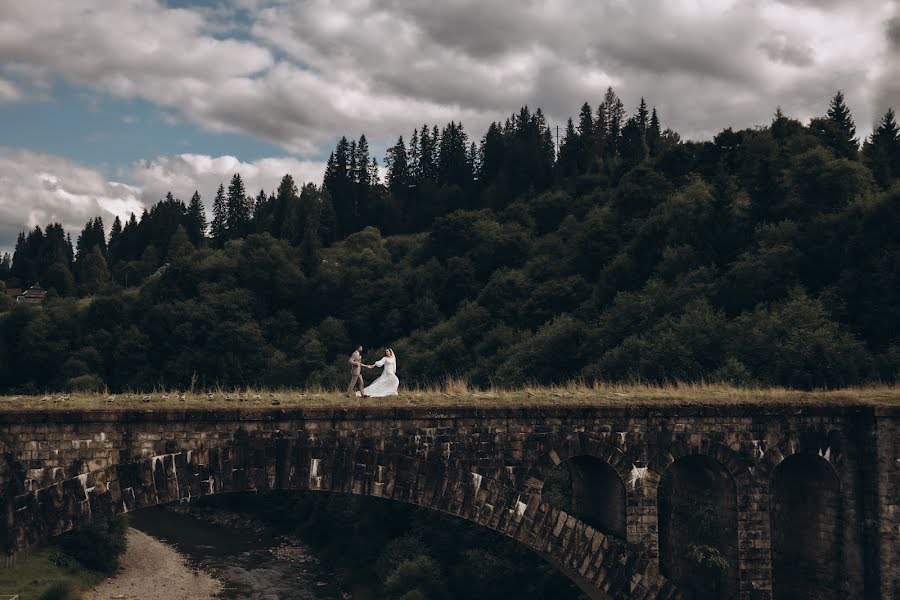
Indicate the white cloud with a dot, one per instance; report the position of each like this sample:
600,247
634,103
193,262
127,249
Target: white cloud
37,189
183,173
9,92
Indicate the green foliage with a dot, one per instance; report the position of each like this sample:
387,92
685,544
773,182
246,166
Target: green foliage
765,256
60,591
711,569
99,545
557,490
387,550
417,577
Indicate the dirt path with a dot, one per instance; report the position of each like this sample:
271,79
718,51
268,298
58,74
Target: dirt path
152,570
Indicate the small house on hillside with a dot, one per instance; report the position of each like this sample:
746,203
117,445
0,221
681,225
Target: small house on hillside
33,295
12,292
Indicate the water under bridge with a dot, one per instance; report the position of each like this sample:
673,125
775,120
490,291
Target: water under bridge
808,495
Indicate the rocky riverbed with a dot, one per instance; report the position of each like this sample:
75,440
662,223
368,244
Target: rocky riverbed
247,560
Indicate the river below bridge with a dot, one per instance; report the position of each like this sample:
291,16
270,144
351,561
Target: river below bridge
252,561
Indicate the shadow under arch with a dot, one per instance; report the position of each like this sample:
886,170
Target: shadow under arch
591,489
698,526
602,566
806,523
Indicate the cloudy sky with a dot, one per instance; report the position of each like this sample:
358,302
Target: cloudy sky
104,106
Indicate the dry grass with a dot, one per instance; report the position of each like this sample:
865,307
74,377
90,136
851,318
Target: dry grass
456,393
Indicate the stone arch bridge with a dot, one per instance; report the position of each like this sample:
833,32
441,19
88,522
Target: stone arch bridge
807,498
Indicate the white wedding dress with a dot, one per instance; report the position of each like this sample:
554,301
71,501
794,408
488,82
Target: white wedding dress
387,384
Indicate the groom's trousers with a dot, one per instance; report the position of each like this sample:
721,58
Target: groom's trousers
357,379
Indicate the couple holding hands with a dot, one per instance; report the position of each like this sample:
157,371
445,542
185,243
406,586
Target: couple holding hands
385,385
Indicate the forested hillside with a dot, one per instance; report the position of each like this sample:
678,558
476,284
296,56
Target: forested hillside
766,256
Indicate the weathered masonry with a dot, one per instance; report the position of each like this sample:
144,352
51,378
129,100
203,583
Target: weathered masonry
807,499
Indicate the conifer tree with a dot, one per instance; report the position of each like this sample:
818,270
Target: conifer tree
284,203
601,130
115,241
374,176
196,219
642,117
567,164
219,227
615,115
882,150
633,149
412,158
353,164
261,219
836,129
362,161
653,134
237,208
397,163
586,139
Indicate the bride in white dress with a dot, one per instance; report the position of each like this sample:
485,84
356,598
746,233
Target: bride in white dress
387,384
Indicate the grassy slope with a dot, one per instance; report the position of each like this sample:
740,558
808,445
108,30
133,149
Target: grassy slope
34,573
457,395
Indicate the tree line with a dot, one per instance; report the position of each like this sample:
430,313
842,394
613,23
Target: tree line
763,256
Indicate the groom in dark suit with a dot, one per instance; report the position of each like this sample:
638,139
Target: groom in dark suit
355,375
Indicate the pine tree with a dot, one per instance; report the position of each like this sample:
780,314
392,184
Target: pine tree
586,139
285,204
836,129
361,176
196,220
601,131
568,152
115,241
633,149
427,154
615,115
653,134
219,227
21,263
261,220
492,154
473,157
397,162
237,208
353,165
642,117
5,266
412,158
882,150
453,166
374,176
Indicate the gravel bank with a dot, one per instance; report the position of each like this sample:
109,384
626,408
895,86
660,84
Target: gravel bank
152,570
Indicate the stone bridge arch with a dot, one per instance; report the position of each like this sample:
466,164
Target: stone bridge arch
604,567
811,547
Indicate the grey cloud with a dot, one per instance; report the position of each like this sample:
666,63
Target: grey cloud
384,67
892,27
780,49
